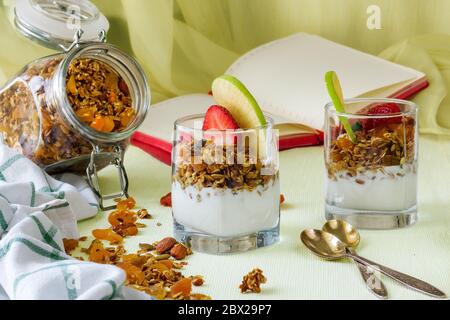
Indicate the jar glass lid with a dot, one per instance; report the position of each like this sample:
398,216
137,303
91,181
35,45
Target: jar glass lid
54,23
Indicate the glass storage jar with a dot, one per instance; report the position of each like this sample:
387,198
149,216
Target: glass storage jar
37,119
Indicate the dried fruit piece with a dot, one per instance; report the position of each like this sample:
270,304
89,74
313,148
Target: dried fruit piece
166,201
70,245
167,263
126,204
108,125
158,291
282,199
161,267
72,86
107,234
178,251
86,114
98,123
197,281
134,274
122,217
165,244
97,253
125,229
182,287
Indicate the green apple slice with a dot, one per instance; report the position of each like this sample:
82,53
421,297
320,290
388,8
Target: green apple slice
336,95
230,93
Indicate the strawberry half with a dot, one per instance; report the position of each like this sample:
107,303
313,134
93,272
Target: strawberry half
219,118
382,109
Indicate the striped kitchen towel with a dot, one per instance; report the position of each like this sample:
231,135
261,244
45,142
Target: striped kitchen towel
36,213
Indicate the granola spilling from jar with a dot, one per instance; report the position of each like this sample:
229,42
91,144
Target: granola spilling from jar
98,95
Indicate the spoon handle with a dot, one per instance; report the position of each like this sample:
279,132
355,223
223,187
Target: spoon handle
372,281
404,279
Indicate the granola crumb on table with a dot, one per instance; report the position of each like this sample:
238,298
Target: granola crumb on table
252,281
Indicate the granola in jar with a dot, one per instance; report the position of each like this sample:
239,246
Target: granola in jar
59,108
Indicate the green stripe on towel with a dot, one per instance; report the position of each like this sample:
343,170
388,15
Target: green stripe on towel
3,223
54,255
47,235
8,163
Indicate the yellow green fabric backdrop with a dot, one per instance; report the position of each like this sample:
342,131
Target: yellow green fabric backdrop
184,44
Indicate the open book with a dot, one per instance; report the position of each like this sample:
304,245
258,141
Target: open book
286,77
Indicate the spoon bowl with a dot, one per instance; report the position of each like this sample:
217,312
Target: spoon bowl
323,244
344,231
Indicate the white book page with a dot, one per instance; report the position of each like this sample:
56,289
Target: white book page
287,76
162,116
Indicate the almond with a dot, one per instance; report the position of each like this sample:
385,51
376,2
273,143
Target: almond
197,281
165,244
179,251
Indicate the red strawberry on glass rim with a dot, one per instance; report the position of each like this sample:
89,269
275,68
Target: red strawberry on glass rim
218,118
380,110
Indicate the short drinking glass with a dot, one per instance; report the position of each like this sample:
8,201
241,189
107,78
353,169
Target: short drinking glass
371,180
225,186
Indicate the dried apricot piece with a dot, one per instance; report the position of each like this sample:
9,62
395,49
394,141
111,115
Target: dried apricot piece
126,229
135,259
161,267
98,123
126,204
183,286
134,274
167,263
86,114
70,245
108,125
158,291
121,217
107,234
97,253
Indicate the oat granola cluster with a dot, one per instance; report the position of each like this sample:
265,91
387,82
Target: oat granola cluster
374,149
252,281
98,95
223,172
